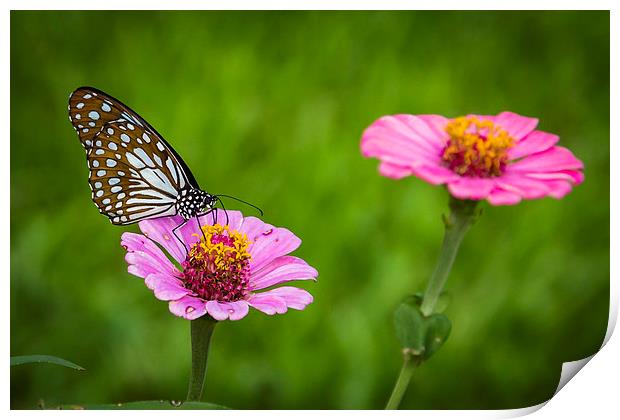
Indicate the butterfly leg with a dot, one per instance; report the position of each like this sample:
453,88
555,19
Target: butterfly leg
200,227
225,212
174,232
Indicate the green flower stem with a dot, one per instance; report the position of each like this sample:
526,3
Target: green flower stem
462,214
409,364
202,329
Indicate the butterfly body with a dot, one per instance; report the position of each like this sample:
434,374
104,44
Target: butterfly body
134,173
193,202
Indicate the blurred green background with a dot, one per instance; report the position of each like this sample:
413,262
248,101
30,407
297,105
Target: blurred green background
270,107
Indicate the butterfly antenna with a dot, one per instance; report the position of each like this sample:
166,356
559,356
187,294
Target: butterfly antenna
240,200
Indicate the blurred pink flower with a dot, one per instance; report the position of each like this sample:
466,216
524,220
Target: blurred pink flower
499,158
225,268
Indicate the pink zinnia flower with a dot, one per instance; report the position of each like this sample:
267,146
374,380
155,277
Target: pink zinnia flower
224,269
502,158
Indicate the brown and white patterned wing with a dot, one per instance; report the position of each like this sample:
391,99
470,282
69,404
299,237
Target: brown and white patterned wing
90,109
133,173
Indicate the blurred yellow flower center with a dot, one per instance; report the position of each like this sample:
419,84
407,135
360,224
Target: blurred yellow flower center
218,267
476,148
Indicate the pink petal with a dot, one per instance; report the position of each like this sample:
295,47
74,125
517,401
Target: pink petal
270,302
437,125
226,310
467,188
268,242
552,160
235,218
535,142
253,227
435,174
280,270
165,287
270,305
402,140
559,188
499,197
191,233
160,230
188,307
526,187
144,257
576,177
393,171
516,125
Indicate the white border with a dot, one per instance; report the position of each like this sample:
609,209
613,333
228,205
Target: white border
592,392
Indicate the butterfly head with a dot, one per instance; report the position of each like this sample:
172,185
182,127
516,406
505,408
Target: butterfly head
208,201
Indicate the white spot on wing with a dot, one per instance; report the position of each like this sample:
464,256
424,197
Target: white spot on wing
110,163
105,107
159,180
94,115
172,170
134,161
144,156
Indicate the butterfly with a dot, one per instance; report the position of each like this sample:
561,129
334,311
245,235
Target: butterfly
134,173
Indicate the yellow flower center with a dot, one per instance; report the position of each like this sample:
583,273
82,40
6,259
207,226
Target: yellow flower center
218,267
476,148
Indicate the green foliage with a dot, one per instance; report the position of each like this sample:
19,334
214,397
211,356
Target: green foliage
270,107
410,328
145,405
419,335
42,358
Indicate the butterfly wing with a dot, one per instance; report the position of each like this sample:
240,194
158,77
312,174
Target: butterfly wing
91,109
133,176
134,173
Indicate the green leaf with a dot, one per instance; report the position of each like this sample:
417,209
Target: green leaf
438,328
420,335
410,328
146,405
42,358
